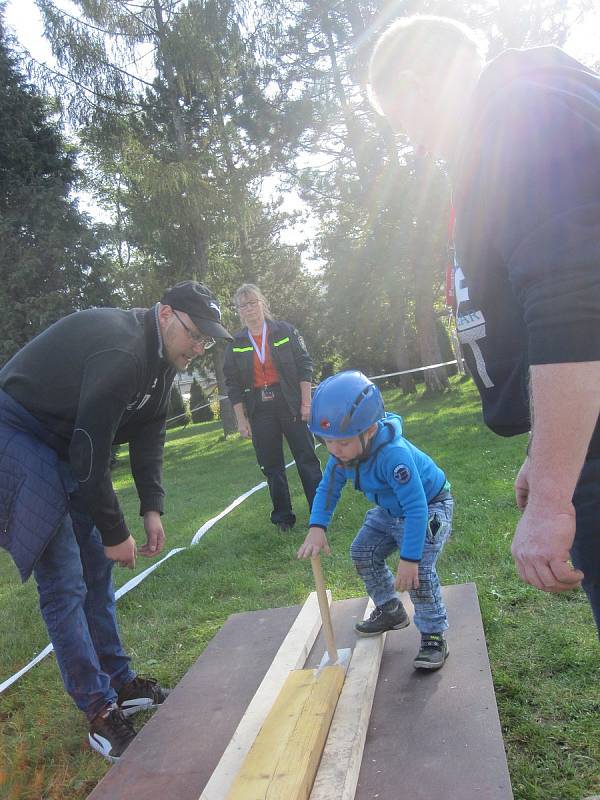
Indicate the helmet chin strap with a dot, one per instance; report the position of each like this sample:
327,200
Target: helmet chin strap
365,445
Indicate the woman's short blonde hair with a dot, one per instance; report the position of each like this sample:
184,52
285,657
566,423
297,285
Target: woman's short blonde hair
418,46
248,289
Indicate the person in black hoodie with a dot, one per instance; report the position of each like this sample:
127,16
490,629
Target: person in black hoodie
521,138
92,379
268,372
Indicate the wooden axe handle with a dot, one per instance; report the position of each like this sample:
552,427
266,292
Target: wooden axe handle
315,562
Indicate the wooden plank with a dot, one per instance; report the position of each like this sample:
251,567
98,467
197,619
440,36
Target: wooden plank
290,656
338,772
283,760
436,734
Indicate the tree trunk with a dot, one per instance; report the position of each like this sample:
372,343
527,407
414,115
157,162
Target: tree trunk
406,382
436,380
198,266
424,257
352,125
228,420
401,353
236,193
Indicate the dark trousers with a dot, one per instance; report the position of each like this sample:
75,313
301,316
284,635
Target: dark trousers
271,421
586,548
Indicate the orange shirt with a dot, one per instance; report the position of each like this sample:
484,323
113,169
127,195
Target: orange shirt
264,374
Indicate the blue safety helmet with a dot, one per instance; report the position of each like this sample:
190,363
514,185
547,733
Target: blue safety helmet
345,405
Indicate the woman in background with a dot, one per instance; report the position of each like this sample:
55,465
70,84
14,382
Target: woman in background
268,372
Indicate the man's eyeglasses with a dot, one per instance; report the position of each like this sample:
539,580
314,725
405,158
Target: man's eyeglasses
248,304
197,338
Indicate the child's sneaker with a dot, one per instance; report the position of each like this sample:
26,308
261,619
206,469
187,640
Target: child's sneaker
141,694
391,616
433,653
111,733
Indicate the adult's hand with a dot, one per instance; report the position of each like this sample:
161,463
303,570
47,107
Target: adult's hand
244,429
565,403
305,411
541,549
522,485
123,553
155,535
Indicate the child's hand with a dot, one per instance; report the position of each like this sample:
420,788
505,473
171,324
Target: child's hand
314,543
407,576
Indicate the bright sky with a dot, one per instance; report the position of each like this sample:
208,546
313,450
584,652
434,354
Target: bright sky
24,19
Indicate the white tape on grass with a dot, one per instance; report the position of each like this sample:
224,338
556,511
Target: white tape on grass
197,536
208,525
127,587
14,678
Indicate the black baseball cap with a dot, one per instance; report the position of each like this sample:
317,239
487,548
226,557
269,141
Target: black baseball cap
200,304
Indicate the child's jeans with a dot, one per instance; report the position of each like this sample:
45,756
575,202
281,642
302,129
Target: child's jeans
381,534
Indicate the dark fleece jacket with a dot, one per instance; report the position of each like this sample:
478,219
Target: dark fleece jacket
527,238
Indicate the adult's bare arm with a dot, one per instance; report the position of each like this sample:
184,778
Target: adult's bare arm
566,404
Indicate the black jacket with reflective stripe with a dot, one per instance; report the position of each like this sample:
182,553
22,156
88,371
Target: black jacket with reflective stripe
290,358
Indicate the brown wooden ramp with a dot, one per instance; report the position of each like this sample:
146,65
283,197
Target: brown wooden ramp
432,735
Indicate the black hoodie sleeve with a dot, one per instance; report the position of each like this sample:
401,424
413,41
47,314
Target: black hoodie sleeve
543,160
108,384
304,364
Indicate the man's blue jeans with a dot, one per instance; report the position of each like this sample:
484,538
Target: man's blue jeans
77,601
381,534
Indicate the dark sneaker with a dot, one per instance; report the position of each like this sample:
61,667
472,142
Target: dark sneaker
140,694
433,653
391,616
110,735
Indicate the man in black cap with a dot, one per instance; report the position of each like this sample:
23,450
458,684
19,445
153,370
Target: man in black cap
93,379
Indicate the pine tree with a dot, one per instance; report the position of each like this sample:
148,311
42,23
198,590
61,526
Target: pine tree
51,261
199,407
177,414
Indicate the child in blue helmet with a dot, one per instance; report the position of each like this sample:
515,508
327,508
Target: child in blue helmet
412,512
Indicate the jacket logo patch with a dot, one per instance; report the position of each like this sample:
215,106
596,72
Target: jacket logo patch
402,473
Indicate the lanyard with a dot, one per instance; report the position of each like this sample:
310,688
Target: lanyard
263,345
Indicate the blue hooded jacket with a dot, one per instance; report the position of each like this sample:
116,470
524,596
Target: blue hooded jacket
395,475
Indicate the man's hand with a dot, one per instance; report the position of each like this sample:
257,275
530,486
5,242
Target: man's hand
305,410
314,543
522,485
123,553
244,429
541,549
407,576
155,535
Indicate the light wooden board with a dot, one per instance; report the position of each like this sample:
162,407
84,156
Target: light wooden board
338,772
290,656
283,760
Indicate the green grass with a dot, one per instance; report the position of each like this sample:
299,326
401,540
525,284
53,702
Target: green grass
543,649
